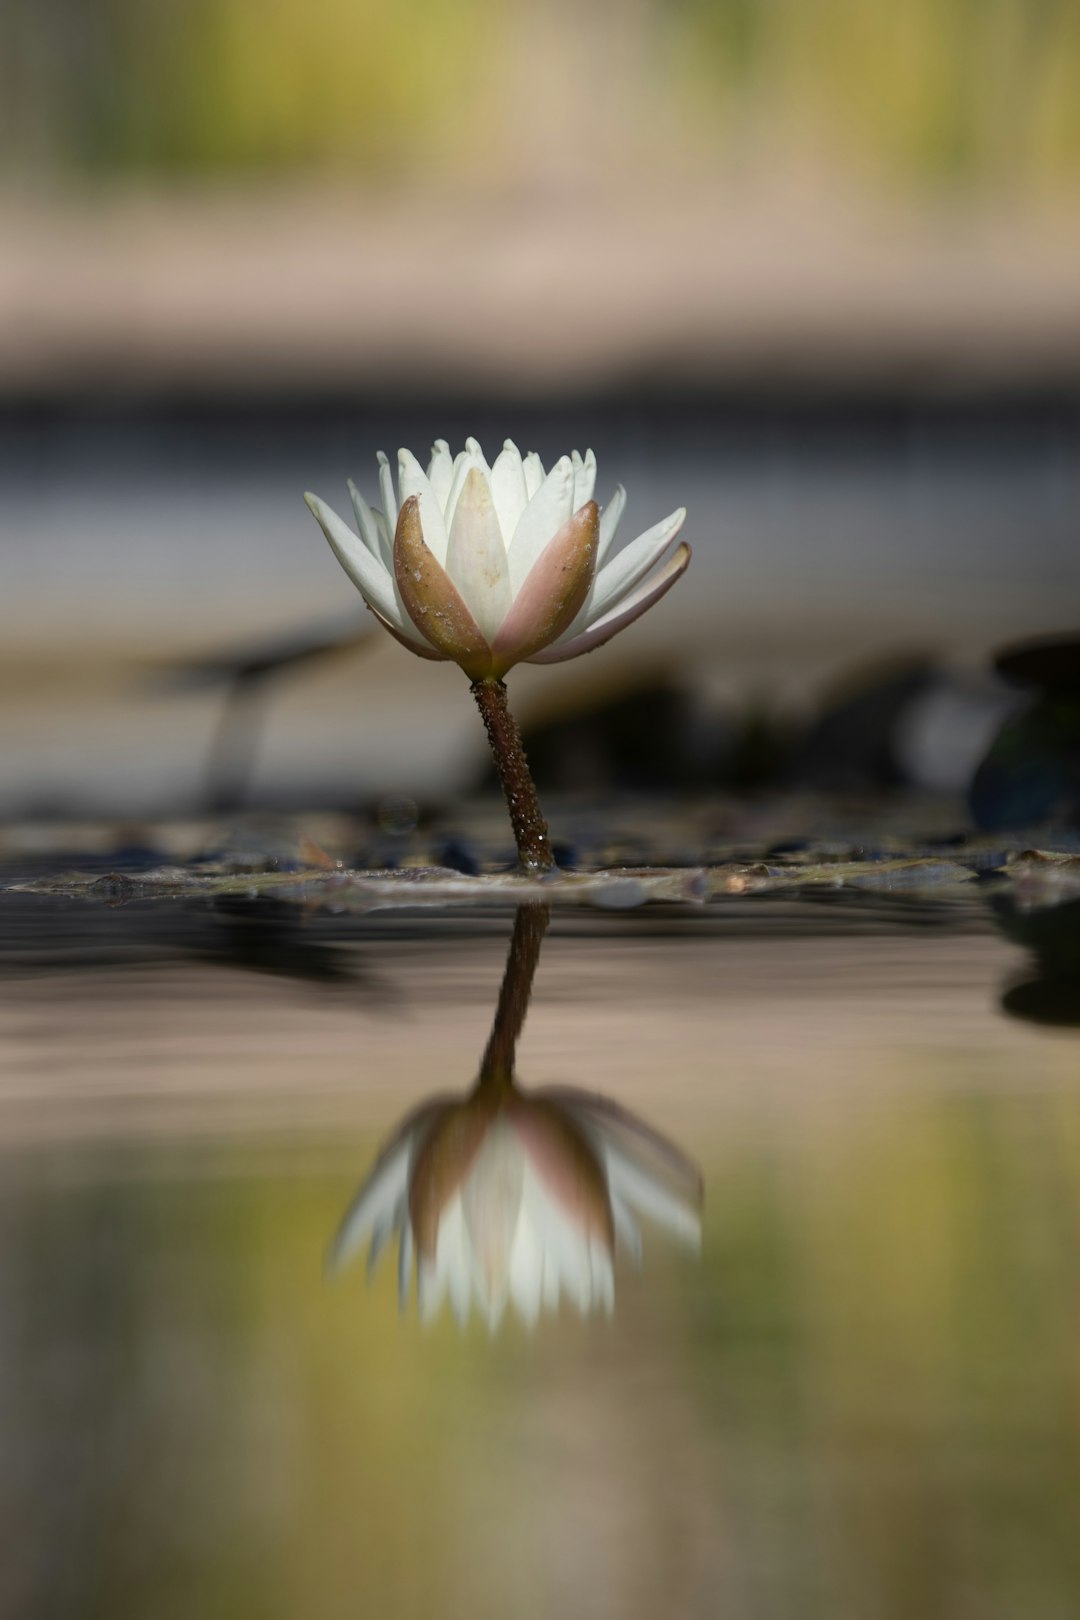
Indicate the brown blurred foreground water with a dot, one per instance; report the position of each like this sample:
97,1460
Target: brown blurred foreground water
858,1397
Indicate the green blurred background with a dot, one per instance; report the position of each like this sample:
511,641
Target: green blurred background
981,93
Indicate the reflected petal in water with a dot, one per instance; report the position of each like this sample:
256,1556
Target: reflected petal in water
513,1197
519,1197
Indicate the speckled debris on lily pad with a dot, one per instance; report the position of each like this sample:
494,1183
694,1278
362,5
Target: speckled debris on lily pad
293,869
761,877
617,888
359,891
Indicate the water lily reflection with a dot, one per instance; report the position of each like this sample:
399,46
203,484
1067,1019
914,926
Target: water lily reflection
507,1196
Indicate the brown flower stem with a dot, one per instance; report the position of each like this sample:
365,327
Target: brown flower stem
526,817
530,926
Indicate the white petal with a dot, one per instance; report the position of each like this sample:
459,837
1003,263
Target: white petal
584,478
372,533
430,1288
533,469
441,472
627,1229
386,491
365,571
405,1259
566,1249
491,1203
603,1278
386,536
413,480
578,1280
472,456
631,1184
380,1237
476,558
526,1272
460,1296
375,1204
603,1120
508,489
385,541
453,1260
376,584
541,520
609,522
382,1202
551,1283
627,568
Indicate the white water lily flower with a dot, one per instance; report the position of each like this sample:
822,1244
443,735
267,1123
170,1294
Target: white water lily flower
495,566
518,1198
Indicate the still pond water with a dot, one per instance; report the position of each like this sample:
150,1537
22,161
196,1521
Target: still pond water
841,1379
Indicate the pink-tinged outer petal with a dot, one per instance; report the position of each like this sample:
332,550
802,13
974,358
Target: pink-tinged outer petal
441,1166
632,608
432,600
554,590
415,644
566,1162
543,517
386,1186
639,1140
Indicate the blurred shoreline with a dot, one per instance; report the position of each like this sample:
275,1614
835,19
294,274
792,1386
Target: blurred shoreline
143,533
230,290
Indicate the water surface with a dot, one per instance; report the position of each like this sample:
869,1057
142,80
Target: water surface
858,1398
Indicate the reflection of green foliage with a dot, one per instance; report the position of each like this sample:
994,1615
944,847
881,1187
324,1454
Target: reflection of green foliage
878,1351
914,1378
738,35
238,1436
751,1318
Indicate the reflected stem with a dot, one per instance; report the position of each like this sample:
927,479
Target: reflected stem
530,926
519,790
